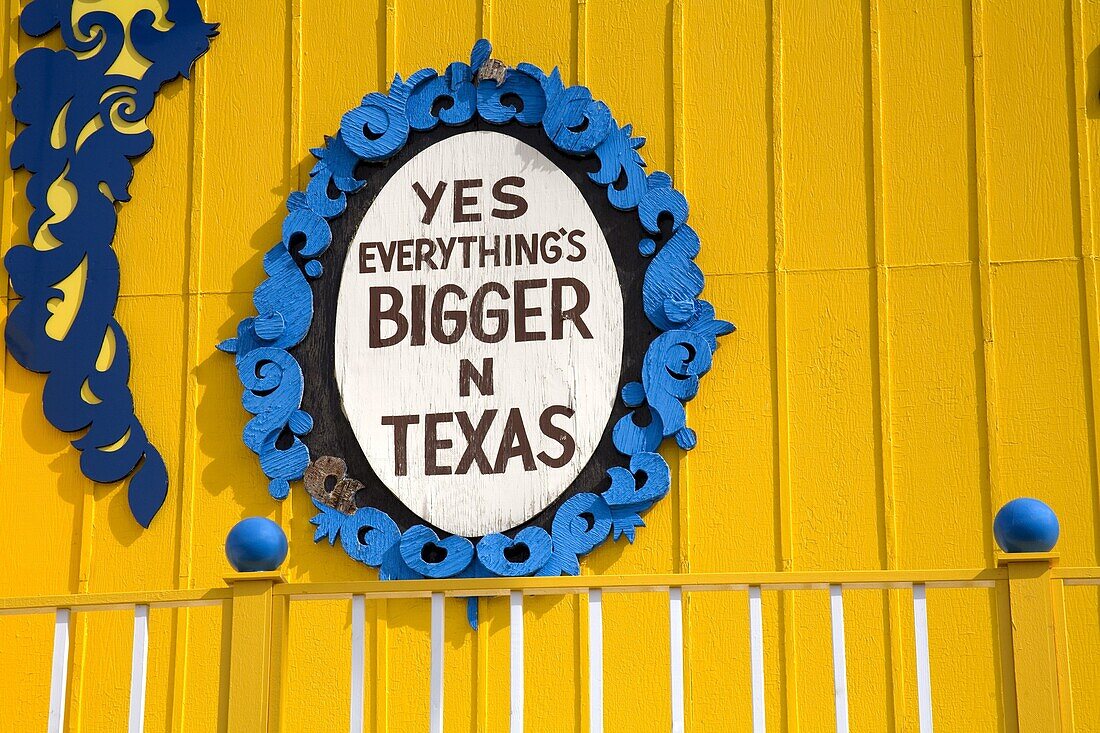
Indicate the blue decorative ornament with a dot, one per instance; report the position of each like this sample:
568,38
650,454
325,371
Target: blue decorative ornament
85,390
1026,525
255,544
672,286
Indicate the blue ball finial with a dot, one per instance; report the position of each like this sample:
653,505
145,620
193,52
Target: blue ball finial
1026,525
255,544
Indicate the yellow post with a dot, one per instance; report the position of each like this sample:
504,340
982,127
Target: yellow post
1034,659
251,667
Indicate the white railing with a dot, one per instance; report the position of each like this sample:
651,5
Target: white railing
64,607
674,587
260,601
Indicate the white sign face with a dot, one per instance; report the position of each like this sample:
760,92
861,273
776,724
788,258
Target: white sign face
479,333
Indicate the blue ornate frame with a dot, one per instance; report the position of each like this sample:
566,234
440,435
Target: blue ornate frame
74,89
674,362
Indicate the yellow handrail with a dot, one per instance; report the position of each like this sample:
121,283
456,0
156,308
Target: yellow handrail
813,580
113,601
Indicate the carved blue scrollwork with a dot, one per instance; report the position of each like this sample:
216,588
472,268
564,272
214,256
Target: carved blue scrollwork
532,548
83,109
619,158
519,97
671,290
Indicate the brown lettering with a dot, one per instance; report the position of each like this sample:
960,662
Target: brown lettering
405,255
433,443
518,203
457,317
558,314
467,374
431,203
563,437
446,248
418,306
475,437
478,314
425,253
514,443
551,252
386,254
523,312
461,201
400,425
392,313
574,238
366,255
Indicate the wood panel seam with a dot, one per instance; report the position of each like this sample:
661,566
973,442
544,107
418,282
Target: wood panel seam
985,295
789,660
896,662
1087,244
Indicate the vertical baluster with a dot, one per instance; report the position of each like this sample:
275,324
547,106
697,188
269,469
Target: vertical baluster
676,656
138,664
358,662
595,660
436,706
924,676
840,663
59,670
756,643
515,712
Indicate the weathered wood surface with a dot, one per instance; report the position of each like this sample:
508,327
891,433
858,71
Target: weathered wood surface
856,423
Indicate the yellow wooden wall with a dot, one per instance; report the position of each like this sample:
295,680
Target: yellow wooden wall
896,202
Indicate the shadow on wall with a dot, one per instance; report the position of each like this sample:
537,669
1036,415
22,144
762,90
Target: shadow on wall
1092,91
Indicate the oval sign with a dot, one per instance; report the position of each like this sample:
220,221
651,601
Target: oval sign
479,333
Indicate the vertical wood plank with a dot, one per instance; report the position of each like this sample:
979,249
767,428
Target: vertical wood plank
482,665
825,155
246,181
381,666
1082,688
739,200
452,26
322,630
1029,138
927,176
390,67
359,41
541,32
1043,368
556,689
1083,175
250,674
883,359
1034,657
985,298
985,295
780,313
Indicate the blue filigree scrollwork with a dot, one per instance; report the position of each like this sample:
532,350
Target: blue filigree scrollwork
671,293
84,108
